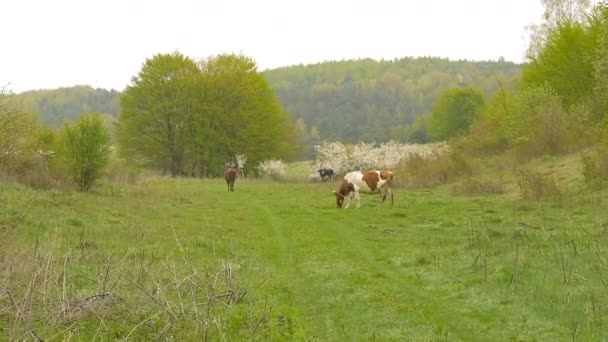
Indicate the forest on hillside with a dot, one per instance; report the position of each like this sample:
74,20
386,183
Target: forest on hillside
376,100
344,100
54,106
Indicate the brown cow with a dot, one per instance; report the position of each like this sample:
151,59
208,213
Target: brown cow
230,174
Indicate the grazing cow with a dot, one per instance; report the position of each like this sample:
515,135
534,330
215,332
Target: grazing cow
326,174
370,181
230,174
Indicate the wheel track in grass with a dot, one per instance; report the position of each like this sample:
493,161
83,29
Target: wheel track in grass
357,252
290,269
344,234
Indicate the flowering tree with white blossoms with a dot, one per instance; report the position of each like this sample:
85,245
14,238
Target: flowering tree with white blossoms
241,160
273,168
343,158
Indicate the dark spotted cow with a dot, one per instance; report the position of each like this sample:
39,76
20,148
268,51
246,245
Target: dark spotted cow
326,174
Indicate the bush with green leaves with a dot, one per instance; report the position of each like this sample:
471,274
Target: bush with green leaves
85,150
537,124
595,166
453,112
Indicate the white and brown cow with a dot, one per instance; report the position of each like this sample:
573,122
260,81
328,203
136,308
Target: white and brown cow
369,181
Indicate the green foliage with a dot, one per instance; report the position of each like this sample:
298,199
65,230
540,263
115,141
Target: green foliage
522,111
155,112
54,106
418,131
565,62
372,100
85,150
536,124
26,147
244,115
600,63
423,172
453,112
486,133
595,166
535,185
189,119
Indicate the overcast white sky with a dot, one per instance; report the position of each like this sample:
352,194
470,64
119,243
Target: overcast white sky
60,43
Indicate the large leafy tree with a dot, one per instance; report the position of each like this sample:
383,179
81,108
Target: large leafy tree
191,118
453,112
155,110
241,115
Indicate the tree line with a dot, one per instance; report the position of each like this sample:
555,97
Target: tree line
368,100
189,118
559,106
354,100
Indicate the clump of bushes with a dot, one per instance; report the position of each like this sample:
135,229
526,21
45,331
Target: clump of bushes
420,171
272,168
478,186
35,155
436,169
595,166
536,186
85,149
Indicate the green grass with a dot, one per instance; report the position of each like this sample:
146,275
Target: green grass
298,171
185,259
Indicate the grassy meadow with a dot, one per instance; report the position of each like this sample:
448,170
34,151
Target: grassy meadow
184,259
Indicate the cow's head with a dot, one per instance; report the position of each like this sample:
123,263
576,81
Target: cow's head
339,199
345,189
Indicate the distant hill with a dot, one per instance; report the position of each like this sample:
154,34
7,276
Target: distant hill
54,106
376,100
344,100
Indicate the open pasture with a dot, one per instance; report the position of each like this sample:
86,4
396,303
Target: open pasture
184,259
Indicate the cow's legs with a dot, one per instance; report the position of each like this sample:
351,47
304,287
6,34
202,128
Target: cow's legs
350,199
358,199
384,193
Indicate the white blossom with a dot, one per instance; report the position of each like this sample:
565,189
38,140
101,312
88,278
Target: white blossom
273,168
343,158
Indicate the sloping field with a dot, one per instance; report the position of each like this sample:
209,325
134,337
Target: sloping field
187,260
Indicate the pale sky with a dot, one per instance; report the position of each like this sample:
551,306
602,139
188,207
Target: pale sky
61,43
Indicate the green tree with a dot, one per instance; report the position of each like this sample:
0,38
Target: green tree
242,114
190,119
85,149
556,14
155,110
565,62
600,64
453,112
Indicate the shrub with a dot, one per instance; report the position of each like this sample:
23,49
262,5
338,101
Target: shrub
478,186
423,171
119,171
275,169
537,124
595,166
535,185
85,150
